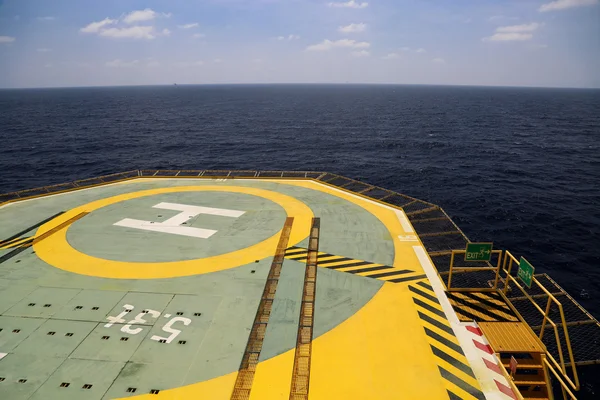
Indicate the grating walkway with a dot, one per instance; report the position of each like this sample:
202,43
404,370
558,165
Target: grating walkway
481,307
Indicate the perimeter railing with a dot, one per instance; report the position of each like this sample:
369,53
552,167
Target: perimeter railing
67,187
409,204
463,269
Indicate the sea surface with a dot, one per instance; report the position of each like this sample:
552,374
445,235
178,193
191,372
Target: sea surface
516,166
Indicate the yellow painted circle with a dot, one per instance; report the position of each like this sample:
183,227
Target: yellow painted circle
56,251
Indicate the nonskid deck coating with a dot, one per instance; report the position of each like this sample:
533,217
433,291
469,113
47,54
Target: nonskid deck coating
372,339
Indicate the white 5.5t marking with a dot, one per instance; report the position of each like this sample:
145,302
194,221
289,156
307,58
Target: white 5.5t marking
174,332
139,320
119,318
173,224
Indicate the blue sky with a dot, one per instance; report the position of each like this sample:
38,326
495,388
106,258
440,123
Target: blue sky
60,43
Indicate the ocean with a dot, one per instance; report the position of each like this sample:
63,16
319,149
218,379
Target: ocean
516,166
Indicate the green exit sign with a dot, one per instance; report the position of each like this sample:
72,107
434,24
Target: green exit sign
478,252
525,272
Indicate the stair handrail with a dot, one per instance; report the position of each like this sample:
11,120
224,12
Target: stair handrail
551,299
510,381
563,385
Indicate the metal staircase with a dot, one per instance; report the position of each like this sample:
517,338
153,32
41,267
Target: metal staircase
528,370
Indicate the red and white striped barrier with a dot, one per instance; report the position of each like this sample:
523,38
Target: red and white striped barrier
489,359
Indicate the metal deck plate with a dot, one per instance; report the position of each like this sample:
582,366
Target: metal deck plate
157,287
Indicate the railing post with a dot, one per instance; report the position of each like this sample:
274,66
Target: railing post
450,273
545,317
498,270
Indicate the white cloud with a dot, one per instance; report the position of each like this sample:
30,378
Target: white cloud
391,56
121,64
411,50
513,33
153,64
105,28
519,28
133,32
348,4
189,26
7,39
329,44
198,35
95,27
406,49
564,4
217,60
141,15
362,53
48,66
288,37
46,18
508,37
353,28
439,60
43,50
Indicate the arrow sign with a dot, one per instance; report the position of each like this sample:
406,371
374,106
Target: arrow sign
478,252
526,271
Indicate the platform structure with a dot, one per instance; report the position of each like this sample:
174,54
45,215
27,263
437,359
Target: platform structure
231,285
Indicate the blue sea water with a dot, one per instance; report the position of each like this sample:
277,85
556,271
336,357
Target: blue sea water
516,166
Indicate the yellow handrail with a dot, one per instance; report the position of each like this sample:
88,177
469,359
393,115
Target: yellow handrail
551,299
562,384
473,269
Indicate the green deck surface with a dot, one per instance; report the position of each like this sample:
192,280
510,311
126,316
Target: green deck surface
37,298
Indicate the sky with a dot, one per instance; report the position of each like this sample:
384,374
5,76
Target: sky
62,43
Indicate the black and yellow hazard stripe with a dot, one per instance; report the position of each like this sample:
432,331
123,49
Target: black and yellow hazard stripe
458,377
481,307
14,243
358,267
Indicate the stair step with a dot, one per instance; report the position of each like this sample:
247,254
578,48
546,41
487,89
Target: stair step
530,383
523,366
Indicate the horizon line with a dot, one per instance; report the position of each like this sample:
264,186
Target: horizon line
297,84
